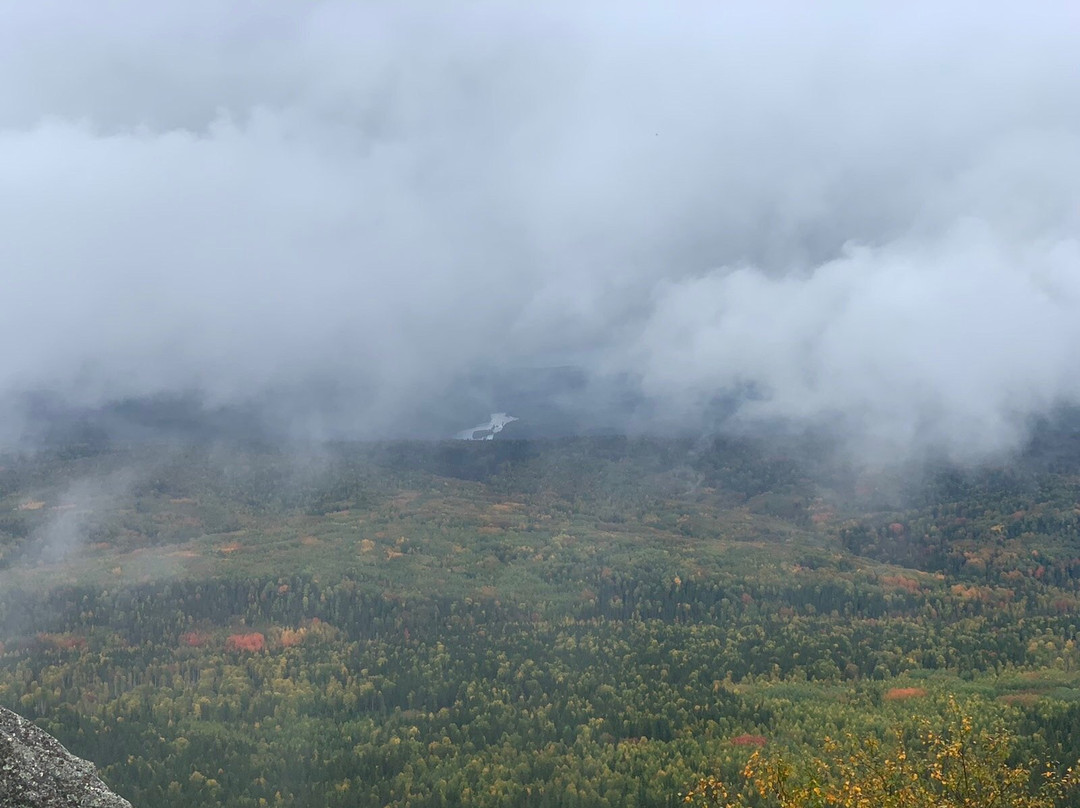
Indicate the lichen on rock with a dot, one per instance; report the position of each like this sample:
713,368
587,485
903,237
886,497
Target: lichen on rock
36,771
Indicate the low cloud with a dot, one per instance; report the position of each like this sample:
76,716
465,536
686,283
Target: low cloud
82,508
856,215
953,343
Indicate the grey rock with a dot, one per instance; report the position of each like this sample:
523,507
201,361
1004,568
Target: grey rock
36,771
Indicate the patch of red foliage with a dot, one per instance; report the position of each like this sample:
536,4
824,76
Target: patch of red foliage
1024,699
900,693
194,639
749,740
61,642
902,582
245,642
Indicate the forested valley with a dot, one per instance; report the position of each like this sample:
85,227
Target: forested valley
597,621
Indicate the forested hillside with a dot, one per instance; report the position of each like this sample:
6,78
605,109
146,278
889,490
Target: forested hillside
581,622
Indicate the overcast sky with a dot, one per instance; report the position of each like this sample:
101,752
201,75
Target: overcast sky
868,213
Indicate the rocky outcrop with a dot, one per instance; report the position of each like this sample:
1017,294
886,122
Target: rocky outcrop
36,771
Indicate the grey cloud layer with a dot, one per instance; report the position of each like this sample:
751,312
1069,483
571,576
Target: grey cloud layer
870,215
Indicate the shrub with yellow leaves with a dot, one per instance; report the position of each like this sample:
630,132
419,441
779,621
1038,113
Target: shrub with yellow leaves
949,764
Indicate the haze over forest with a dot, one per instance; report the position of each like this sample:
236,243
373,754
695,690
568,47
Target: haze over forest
547,405
336,215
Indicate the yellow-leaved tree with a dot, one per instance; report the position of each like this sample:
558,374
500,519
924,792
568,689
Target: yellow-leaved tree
955,765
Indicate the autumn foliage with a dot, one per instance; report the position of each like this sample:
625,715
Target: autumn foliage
194,639
901,693
291,637
246,642
749,740
61,642
950,765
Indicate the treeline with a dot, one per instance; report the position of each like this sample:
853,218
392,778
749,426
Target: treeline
868,618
